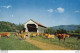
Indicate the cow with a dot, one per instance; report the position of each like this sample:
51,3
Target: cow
62,36
34,34
42,34
37,34
5,34
23,36
46,35
0,35
51,37
23,30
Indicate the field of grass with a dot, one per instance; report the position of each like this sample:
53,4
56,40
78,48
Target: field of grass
70,42
14,43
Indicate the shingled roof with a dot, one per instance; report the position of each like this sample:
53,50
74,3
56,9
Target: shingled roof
38,23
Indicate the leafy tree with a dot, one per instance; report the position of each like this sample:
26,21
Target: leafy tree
7,27
61,31
78,30
79,26
4,28
50,30
20,27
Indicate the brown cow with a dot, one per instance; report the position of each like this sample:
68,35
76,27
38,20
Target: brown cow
5,34
62,36
42,34
23,36
46,35
0,35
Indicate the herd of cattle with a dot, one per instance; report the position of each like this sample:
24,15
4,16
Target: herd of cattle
50,36
22,35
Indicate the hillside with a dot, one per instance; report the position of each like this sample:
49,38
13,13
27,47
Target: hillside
7,27
66,27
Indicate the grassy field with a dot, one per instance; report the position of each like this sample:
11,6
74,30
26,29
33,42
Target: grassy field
14,43
71,42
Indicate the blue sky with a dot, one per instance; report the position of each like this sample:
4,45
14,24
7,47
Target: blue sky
47,12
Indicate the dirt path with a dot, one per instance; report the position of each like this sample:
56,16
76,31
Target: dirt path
46,46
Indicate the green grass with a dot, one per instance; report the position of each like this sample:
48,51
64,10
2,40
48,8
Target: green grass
71,42
14,43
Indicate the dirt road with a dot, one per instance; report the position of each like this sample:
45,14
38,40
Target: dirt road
46,46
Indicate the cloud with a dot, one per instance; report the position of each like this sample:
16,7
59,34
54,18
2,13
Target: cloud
50,10
8,6
77,11
60,10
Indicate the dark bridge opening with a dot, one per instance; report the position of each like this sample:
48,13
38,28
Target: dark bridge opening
31,27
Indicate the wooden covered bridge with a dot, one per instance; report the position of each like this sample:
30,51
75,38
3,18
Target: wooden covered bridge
33,26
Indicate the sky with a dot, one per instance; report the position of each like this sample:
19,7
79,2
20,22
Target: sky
47,12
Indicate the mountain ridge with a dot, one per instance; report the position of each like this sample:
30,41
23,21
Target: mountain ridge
66,27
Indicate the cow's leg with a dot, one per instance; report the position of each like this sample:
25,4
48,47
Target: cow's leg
59,39
64,39
7,36
25,37
21,38
16,35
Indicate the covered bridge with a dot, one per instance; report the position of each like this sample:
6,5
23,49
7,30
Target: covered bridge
33,26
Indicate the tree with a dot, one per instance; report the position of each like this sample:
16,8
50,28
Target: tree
79,26
7,27
78,30
61,31
50,30
20,27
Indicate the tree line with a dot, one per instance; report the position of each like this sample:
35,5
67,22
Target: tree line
10,27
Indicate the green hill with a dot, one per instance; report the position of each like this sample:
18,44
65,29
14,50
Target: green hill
7,27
